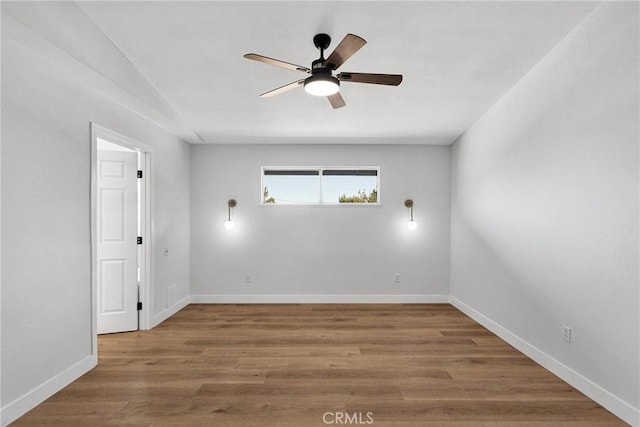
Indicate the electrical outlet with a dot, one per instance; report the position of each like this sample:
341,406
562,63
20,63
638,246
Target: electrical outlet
396,278
248,278
566,333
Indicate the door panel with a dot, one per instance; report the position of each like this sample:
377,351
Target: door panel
117,217
114,289
113,205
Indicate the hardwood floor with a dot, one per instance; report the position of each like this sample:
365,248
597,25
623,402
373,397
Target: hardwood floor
292,365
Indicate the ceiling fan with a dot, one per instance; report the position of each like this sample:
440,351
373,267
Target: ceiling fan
322,82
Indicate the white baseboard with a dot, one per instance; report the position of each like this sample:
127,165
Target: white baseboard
603,397
170,311
320,299
33,398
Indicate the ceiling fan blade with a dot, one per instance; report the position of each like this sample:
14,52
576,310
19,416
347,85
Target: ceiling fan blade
277,62
376,79
283,89
349,45
336,100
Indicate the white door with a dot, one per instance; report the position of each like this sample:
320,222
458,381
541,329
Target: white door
117,232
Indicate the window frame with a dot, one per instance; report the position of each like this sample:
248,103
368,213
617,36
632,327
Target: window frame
319,169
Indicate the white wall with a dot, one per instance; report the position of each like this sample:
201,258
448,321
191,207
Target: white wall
545,211
319,253
46,275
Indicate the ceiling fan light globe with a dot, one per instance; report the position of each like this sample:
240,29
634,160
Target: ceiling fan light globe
321,85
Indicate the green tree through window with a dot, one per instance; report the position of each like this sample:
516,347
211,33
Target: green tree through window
267,198
360,197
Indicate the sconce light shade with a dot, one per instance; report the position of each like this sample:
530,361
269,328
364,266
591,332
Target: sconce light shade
229,224
411,225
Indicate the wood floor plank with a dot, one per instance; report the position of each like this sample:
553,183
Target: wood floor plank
291,364
496,389
316,350
364,373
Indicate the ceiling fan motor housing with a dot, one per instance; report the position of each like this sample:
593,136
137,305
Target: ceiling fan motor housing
318,66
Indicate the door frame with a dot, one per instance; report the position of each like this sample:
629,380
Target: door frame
146,296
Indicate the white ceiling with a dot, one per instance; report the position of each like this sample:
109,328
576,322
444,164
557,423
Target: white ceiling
185,61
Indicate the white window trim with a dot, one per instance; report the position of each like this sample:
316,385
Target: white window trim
320,169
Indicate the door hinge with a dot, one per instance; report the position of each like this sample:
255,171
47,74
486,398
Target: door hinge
139,306
139,240
139,174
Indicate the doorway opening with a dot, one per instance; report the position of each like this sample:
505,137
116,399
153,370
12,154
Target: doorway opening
120,226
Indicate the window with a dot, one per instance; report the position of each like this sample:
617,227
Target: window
320,185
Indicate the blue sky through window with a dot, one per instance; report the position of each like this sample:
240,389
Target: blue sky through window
293,189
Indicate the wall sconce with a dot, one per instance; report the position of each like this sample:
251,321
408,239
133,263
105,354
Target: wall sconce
228,224
411,225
